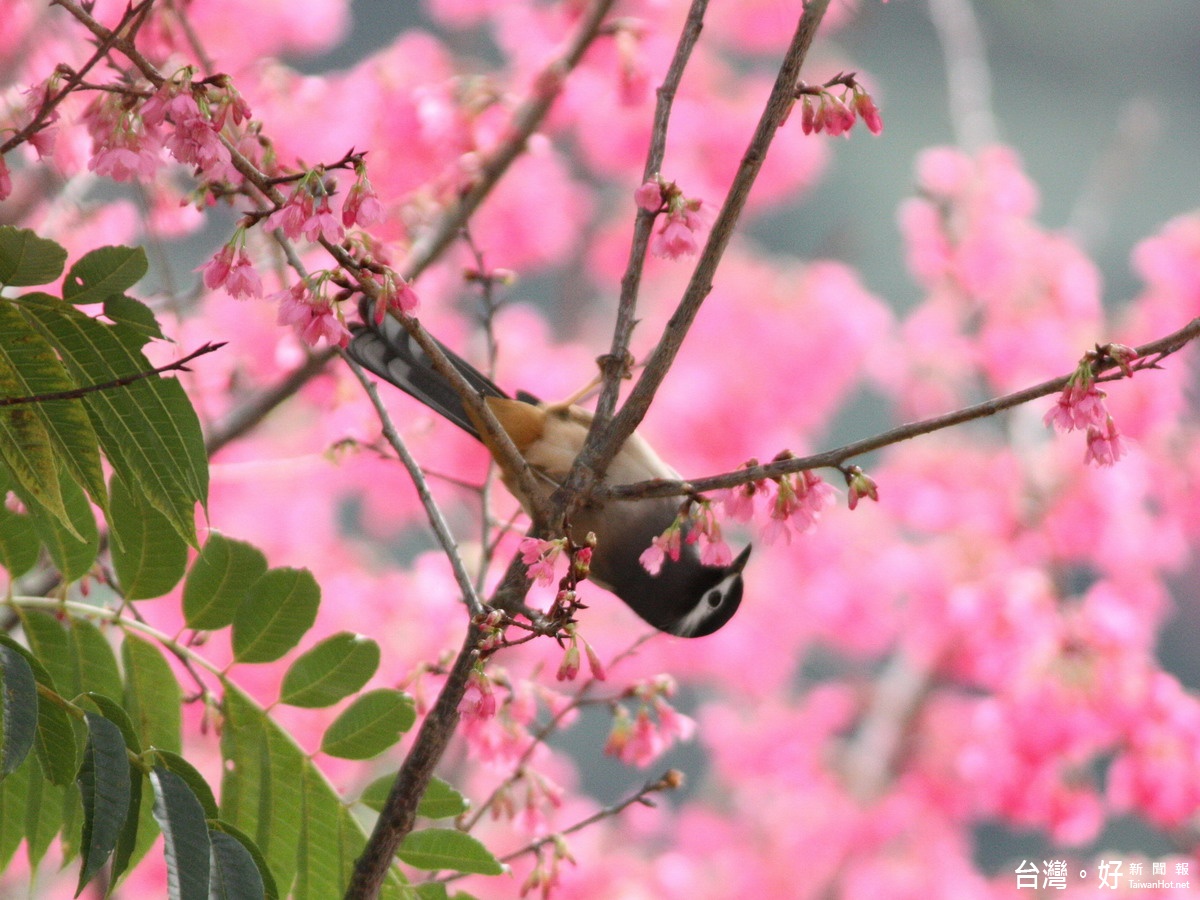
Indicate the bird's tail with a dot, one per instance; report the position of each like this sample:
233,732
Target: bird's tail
390,352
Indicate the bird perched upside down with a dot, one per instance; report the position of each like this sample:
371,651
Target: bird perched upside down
685,598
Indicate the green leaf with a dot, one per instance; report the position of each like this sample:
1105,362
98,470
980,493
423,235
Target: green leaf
270,891
18,709
432,890
153,696
319,862
148,555
448,848
279,608
125,854
369,725
185,836
72,549
43,816
19,544
176,764
234,873
29,367
134,315
47,639
126,844
219,580
56,743
104,787
271,790
127,841
55,738
14,804
94,661
115,713
259,791
103,272
332,670
440,800
148,429
26,259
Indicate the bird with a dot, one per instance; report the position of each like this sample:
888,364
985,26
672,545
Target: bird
685,598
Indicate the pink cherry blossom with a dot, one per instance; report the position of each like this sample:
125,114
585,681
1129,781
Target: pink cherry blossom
541,558
1104,445
649,196
362,206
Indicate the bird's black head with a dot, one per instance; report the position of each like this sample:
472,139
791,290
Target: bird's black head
718,596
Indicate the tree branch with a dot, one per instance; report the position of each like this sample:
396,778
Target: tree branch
1149,355
601,447
399,811
526,120
436,520
179,365
614,366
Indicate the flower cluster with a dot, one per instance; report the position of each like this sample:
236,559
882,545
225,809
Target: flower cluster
569,667
683,217
797,504
822,110
1081,405
183,117
696,523
641,739
541,557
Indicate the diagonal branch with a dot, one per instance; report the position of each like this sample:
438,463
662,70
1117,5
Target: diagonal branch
601,447
180,365
436,520
613,366
525,121
1151,353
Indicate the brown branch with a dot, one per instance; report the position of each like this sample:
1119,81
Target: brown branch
1149,355
74,79
249,414
399,811
670,780
437,521
601,447
179,365
614,366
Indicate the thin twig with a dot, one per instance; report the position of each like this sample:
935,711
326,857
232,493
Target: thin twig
41,118
670,780
601,447
436,520
580,700
179,365
614,365
247,415
1150,354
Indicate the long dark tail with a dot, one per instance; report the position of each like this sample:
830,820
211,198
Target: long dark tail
387,350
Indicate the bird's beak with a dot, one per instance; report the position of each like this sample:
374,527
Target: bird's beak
740,563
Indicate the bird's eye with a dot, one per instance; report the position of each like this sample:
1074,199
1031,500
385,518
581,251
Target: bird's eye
714,599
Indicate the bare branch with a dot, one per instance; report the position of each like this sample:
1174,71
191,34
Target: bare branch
601,447
436,520
1149,354
180,365
613,366
525,121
